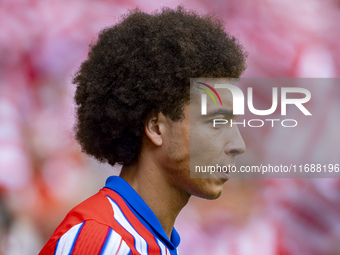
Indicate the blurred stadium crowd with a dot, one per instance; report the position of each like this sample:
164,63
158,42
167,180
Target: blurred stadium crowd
43,174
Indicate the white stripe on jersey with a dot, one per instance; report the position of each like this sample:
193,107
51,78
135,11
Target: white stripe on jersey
124,249
115,245
164,250
66,241
140,243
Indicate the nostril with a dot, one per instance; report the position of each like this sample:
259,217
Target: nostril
234,152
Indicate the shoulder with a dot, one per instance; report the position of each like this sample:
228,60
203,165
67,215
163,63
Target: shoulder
89,237
103,224
90,225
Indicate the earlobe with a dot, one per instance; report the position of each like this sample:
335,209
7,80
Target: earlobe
153,129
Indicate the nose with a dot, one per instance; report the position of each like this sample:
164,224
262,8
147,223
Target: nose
236,145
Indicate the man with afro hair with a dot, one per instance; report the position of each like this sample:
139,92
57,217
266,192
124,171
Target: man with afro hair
132,99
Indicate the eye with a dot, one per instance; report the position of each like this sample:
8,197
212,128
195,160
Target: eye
219,123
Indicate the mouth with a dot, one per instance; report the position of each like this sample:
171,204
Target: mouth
224,175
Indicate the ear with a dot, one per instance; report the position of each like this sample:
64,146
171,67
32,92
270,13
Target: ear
154,128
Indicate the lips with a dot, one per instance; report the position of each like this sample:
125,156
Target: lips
224,175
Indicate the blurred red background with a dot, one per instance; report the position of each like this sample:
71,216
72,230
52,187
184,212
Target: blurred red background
43,174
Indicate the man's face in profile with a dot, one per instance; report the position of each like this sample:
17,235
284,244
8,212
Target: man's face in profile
213,145
194,142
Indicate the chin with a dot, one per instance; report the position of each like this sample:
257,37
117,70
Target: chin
214,196
211,193
207,188
210,196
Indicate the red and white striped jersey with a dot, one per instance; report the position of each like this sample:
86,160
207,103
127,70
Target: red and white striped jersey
114,221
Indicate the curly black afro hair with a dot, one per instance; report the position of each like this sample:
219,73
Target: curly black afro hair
141,65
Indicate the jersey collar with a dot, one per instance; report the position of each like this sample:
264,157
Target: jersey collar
141,209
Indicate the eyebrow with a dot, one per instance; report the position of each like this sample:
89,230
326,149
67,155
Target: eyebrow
223,112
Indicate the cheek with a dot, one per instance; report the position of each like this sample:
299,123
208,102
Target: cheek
203,144
178,149
206,150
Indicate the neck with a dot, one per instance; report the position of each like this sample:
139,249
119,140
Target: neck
165,200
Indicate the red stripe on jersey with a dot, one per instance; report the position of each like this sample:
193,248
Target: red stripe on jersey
91,238
120,244
153,247
128,238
